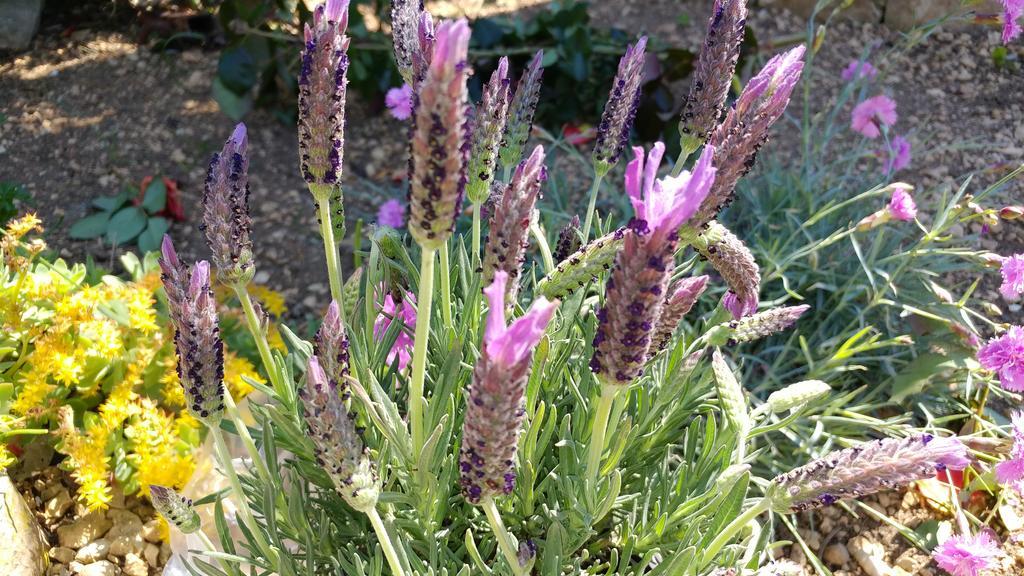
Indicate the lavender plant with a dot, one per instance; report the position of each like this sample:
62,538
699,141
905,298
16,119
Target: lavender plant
584,435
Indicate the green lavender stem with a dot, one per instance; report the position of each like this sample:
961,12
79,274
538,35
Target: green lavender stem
684,155
330,250
261,342
730,531
385,542
419,352
243,433
600,428
221,448
211,548
542,245
592,205
446,288
501,534
476,235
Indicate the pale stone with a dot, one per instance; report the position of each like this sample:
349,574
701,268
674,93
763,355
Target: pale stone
1011,520
19,532
19,20
151,530
152,555
869,555
93,551
62,555
101,568
134,565
837,555
126,534
84,530
57,505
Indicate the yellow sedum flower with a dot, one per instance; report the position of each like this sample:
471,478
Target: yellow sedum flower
271,300
236,369
104,346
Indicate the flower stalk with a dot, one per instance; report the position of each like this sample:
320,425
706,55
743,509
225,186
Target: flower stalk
602,412
334,277
446,285
502,536
424,300
595,186
385,542
254,322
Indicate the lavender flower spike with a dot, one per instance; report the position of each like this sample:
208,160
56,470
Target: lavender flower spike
520,113
175,508
421,58
865,469
331,346
197,336
322,90
336,441
620,110
635,291
439,146
495,408
733,260
509,226
226,218
405,21
764,323
489,124
712,75
568,239
683,295
175,277
582,266
745,129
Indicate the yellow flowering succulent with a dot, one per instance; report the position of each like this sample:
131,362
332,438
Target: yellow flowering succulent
90,361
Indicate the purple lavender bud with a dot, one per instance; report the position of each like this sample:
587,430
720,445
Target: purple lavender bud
421,58
683,295
733,260
765,323
405,22
495,404
745,128
865,469
509,225
322,89
712,75
331,346
568,239
440,145
520,112
174,275
619,111
196,336
337,444
226,218
527,552
175,508
489,124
